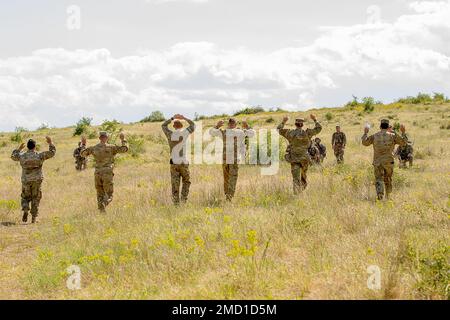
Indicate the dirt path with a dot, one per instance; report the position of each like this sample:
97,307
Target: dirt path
16,254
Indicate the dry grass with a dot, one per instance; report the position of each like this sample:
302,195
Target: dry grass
268,244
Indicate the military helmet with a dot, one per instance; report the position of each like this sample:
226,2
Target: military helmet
103,134
385,121
299,120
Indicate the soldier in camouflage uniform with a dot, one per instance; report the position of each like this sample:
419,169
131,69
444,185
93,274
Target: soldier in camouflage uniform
32,177
179,164
405,154
314,152
234,150
338,143
322,149
383,160
297,150
104,154
80,162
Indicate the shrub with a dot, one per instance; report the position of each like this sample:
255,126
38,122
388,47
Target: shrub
19,136
431,270
270,120
82,126
155,116
249,110
113,129
368,104
329,116
136,145
352,104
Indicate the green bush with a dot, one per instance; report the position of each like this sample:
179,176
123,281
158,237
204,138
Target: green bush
431,270
352,104
113,128
82,126
19,135
249,110
155,116
136,145
368,104
329,116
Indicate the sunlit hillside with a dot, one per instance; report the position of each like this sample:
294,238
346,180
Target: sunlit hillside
267,244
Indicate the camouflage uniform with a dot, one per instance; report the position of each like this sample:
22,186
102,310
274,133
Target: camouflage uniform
322,151
297,152
405,154
179,165
32,177
383,160
104,170
234,150
314,153
338,141
80,162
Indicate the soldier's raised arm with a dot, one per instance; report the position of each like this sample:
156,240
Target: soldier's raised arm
191,123
86,152
367,140
283,132
165,127
122,148
317,128
16,153
51,150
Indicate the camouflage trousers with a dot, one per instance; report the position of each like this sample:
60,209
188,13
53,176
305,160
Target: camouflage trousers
299,170
230,177
383,179
404,160
31,194
339,153
179,173
80,164
104,184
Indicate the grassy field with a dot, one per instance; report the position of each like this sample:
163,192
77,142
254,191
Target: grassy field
267,244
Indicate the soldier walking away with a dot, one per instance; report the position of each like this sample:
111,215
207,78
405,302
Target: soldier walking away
314,152
179,164
234,150
338,143
31,162
80,162
297,150
383,160
104,155
322,149
405,154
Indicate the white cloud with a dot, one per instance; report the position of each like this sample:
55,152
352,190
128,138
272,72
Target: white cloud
58,86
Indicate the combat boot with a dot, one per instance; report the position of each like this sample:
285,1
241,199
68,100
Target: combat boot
25,216
34,219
